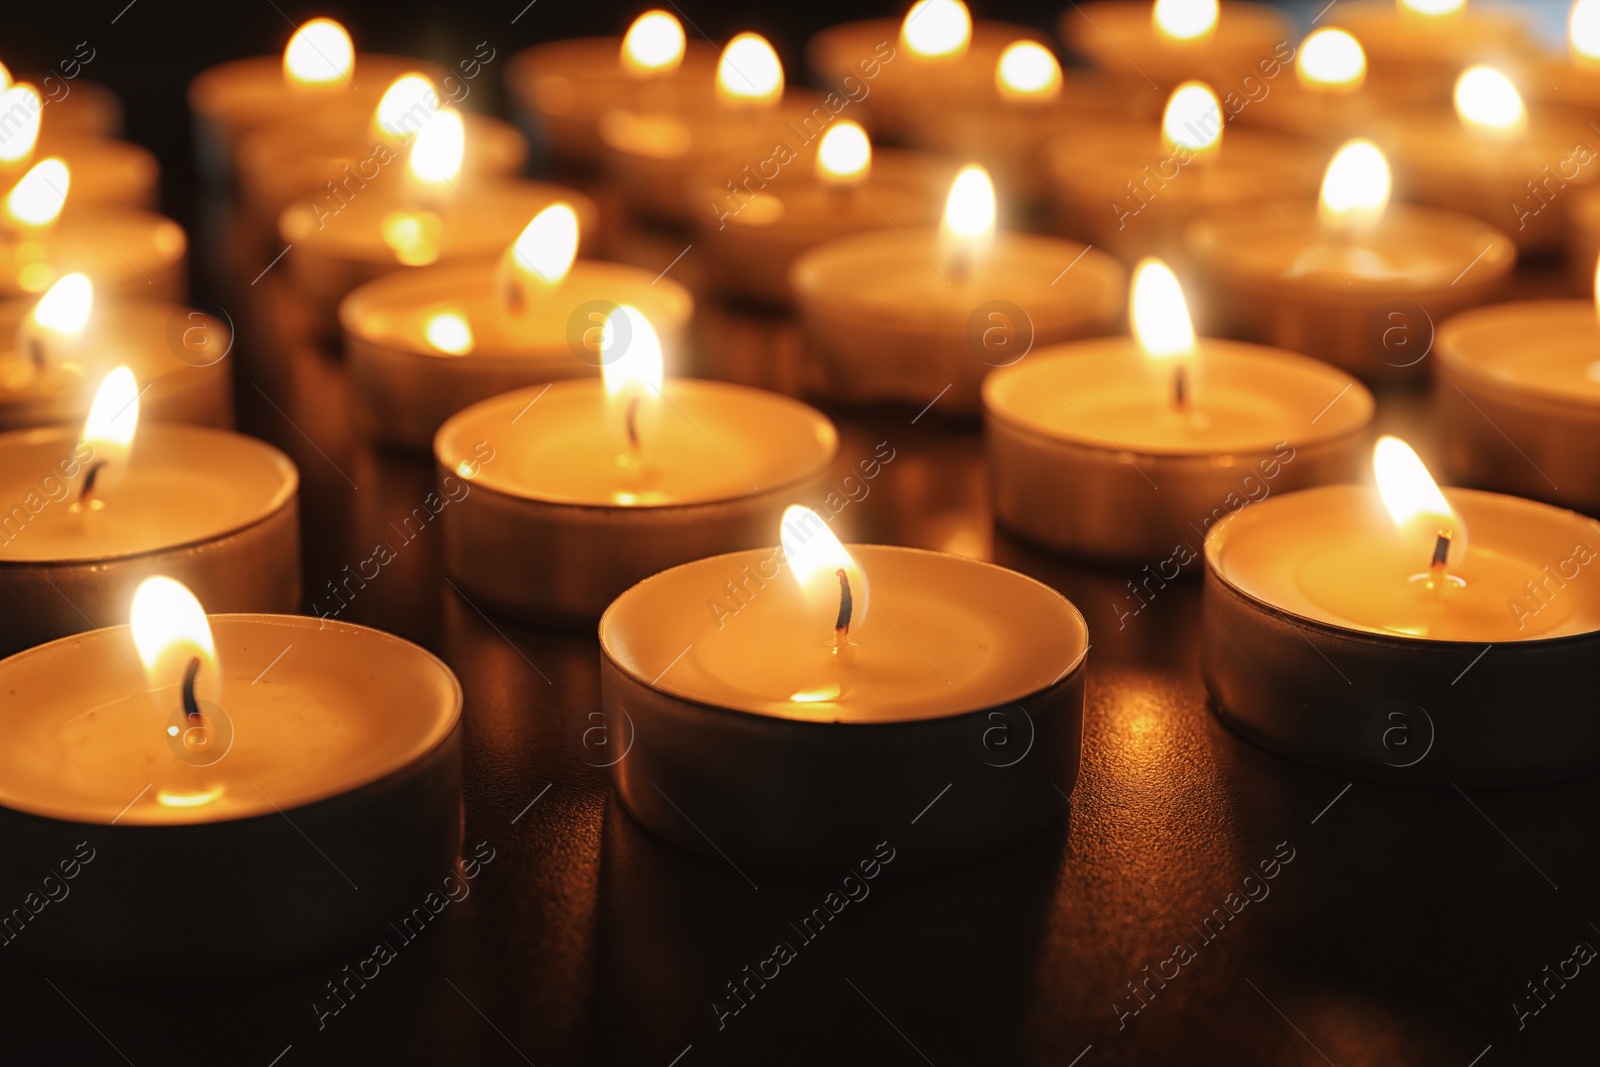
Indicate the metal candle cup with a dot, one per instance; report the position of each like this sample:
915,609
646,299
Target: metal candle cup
1503,697
1122,39
1082,462
215,510
336,810
124,251
712,738
554,528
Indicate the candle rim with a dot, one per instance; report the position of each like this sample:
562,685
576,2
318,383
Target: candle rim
1451,345
863,554
402,763
1463,500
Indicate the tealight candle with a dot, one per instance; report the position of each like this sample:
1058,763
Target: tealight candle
124,251
1130,449
1519,393
1172,41
426,343
55,349
565,87
1030,100
1493,159
108,171
208,751
91,514
1353,279
1574,79
1423,45
652,155
868,679
339,152
753,231
85,108
937,58
599,484
319,65
425,218
1361,632
920,315
1141,184
1332,97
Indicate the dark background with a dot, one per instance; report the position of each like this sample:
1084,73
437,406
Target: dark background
1404,929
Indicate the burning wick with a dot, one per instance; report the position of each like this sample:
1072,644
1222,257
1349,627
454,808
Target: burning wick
841,625
36,355
630,420
191,707
86,494
1180,388
1441,556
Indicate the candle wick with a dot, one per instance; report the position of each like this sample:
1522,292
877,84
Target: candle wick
87,492
630,419
36,353
841,625
516,299
191,707
1180,388
1441,555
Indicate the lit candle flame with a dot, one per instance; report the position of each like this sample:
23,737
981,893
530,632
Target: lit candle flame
844,155
1161,326
173,638
541,257
1192,120
937,29
64,308
815,558
631,367
19,104
449,332
1331,59
653,45
969,218
1186,20
750,73
1355,190
319,53
1413,500
1486,100
407,105
439,146
413,236
108,432
1583,32
1431,8
5,77
1026,71
35,202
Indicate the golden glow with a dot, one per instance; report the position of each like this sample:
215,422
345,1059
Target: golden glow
113,417
169,630
407,105
1486,100
749,73
1027,71
449,331
5,77
969,211
1186,20
439,146
815,557
1413,499
637,367
653,45
1331,59
1159,313
1355,190
547,247
1192,120
1583,32
844,154
64,309
319,53
37,199
1431,8
937,29
413,236
17,144
172,799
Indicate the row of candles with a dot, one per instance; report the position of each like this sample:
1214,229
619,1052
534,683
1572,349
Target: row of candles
630,498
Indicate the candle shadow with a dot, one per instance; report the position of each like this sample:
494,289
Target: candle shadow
677,929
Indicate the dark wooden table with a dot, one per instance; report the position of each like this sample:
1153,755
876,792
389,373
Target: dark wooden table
1401,927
